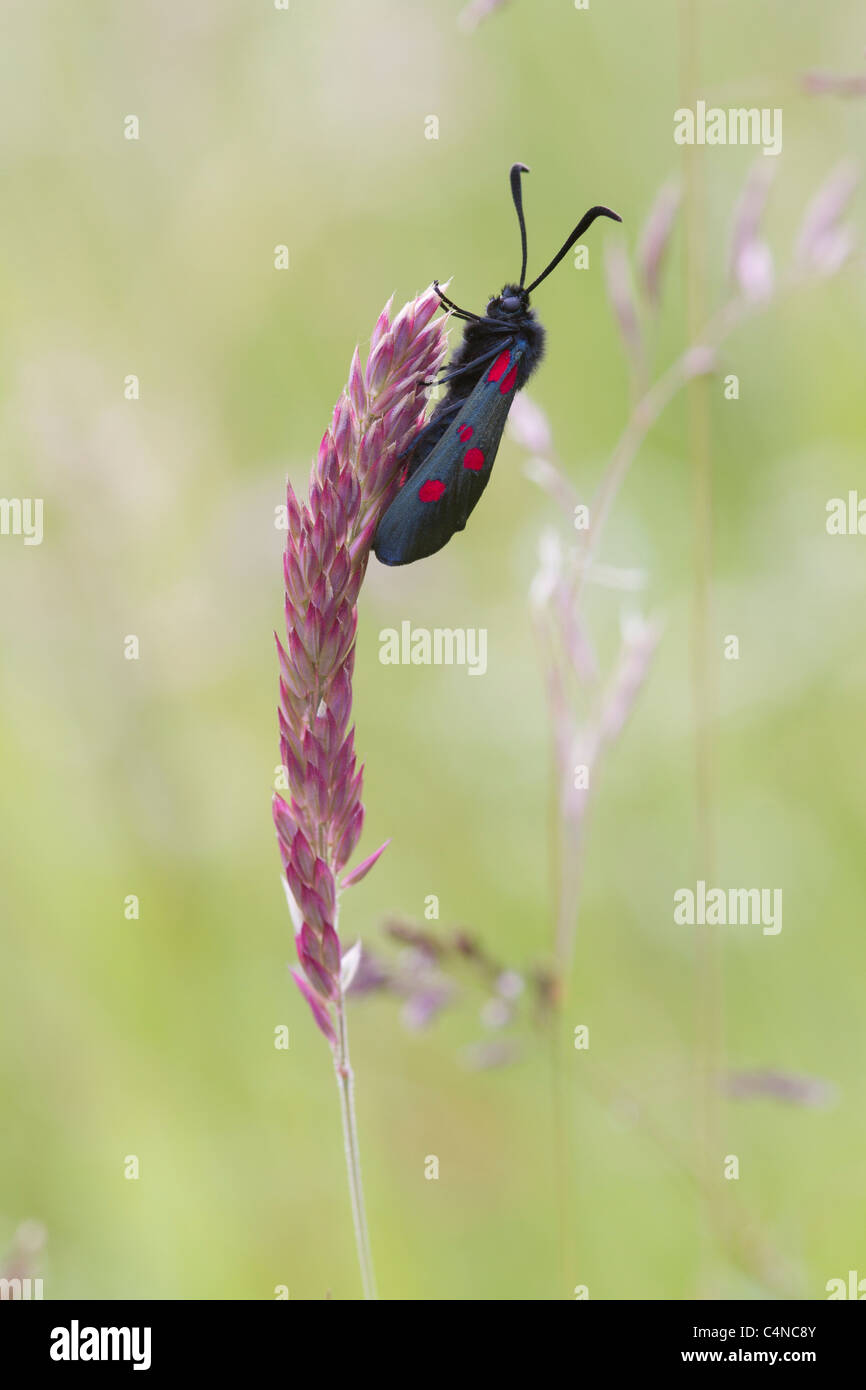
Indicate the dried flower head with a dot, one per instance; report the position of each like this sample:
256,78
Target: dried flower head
825,242
620,291
778,1085
655,239
477,11
835,83
750,258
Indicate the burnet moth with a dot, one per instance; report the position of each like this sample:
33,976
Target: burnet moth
448,466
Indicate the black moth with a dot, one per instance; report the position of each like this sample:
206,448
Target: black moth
449,464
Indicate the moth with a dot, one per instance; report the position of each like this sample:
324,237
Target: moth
450,461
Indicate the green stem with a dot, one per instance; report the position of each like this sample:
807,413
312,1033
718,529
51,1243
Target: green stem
346,1088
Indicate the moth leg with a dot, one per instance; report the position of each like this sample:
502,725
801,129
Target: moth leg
470,366
449,304
415,455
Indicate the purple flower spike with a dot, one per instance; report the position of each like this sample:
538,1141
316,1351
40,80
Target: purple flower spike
364,867
328,540
319,1012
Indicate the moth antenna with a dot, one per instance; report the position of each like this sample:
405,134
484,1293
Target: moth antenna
585,222
517,195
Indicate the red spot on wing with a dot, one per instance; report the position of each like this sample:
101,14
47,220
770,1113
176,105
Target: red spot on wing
509,381
500,366
431,491
474,459
464,432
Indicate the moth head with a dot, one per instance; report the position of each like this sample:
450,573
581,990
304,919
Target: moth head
512,302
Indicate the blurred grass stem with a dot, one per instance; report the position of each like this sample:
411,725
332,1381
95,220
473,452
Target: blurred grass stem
709,992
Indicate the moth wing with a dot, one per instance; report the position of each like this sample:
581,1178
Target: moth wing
441,493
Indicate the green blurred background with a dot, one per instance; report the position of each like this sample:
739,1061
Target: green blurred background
155,1037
